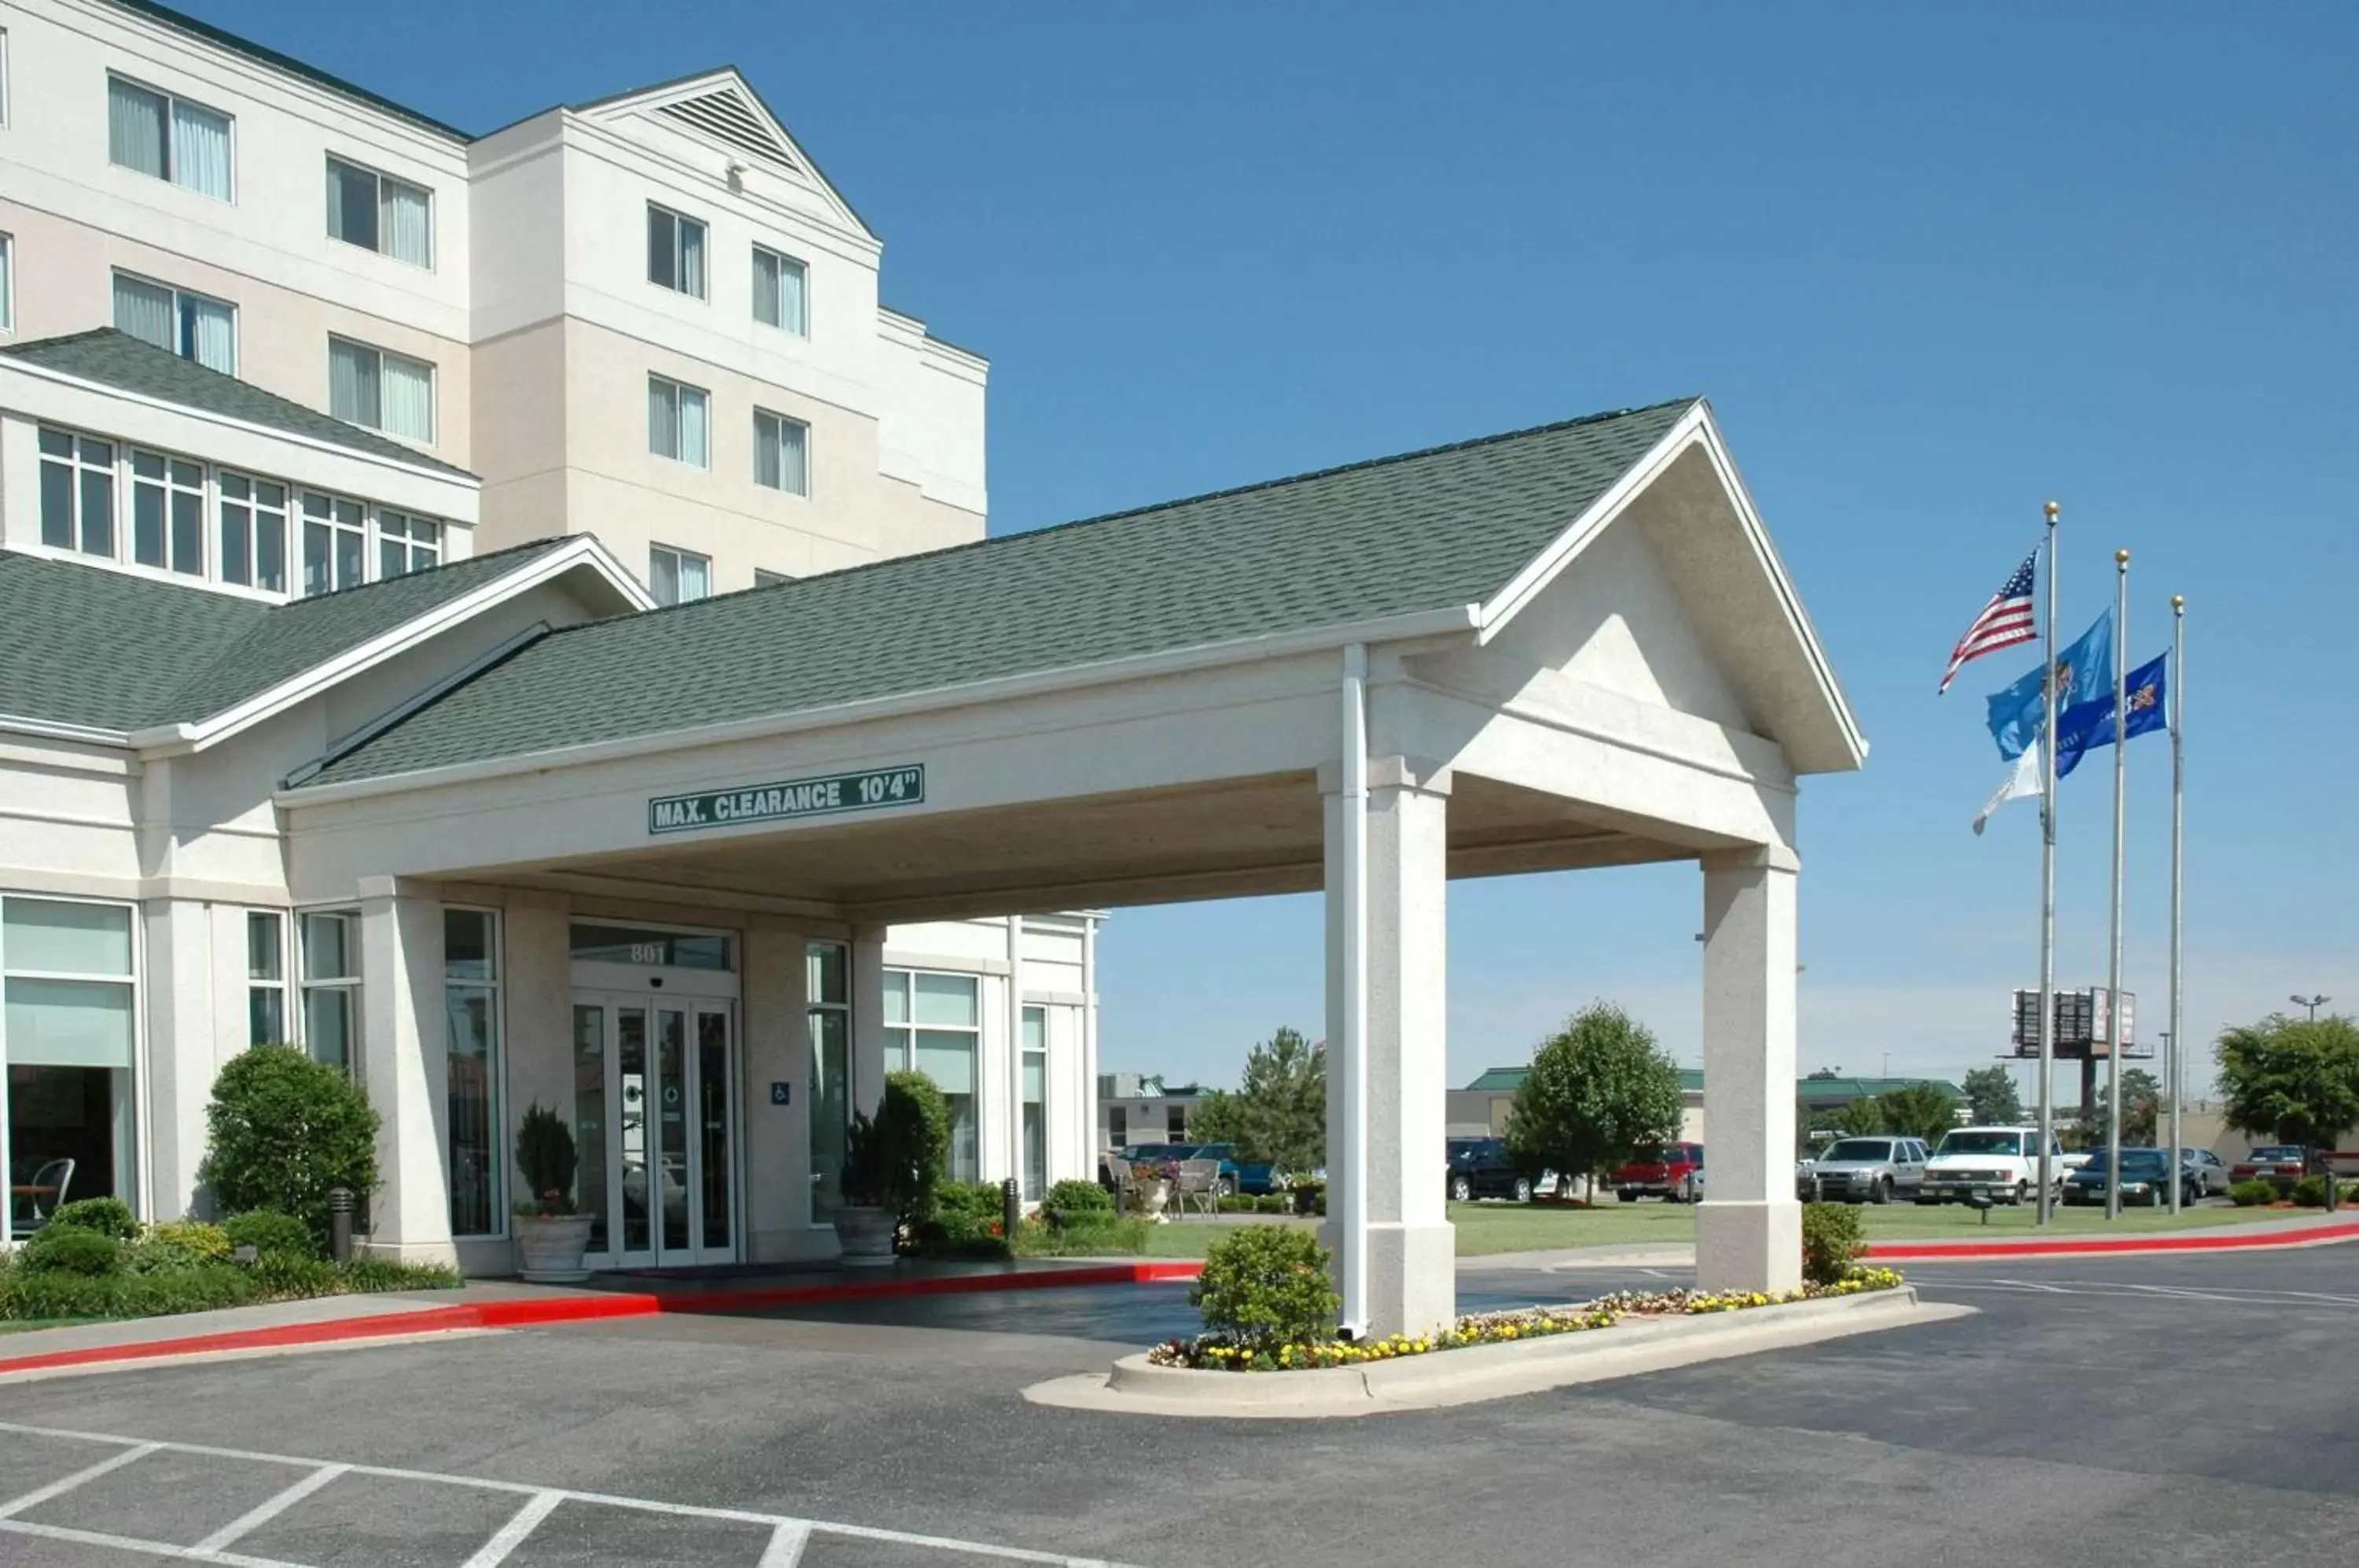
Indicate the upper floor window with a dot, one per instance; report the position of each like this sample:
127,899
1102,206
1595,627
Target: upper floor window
168,512
190,325
675,251
781,291
252,532
677,576
172,138
406,544
678,417
378,212
77,492
335,543
382,390
781,454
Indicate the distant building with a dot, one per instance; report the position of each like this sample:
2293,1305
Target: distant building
1139,1107
1480,1109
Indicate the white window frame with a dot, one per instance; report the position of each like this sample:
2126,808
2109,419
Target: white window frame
497,1069
289,515
680,390
399,530
800,326
272,984
778,423
433,389
130,1127
172,101
909,1028
178,296
172,486
77,466
337,523
5,95
1032,1192
384,179
8,253
678,555
676,284
347,984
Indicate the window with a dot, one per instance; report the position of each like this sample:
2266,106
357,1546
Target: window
933,1024
676,576
471,992
77,492
676,422
66,1030
332,986
381,390
378,212
781,290
266,977
675,251
407,543
1118,1126
190,325
153,133
335,543
252,532
827,1013
1036,1103
1175,1123
168,512
781,454
8,272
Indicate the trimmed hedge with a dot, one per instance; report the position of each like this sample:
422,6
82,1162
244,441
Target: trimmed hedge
268,1231
37,1293
108,1216
2253,1194
69,1250
1073,1197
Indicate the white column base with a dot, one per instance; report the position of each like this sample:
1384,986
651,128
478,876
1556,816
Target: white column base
1748,1245
1412,1276
443,1253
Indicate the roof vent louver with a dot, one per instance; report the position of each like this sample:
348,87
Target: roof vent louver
726,116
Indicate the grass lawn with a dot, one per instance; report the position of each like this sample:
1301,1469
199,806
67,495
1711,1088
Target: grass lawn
1486,1228
15,1325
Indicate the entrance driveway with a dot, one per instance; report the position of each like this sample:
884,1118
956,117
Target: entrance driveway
2097,1412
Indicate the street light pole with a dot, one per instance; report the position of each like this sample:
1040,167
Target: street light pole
2312,1004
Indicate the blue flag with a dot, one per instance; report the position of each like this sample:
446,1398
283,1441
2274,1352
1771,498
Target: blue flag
2085,726
2086,673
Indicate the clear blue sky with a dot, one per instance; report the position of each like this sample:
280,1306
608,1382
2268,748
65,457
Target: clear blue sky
1932,266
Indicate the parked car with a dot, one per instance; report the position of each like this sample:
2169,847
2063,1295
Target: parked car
2283,1163
2211,1171
2002,1162
1667,1176
1482,1167
2146,1179
2072,1159
1863,1170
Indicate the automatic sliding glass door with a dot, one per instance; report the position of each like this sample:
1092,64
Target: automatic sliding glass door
656,1116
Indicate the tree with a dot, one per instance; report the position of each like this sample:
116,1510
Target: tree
1916,1110
1279,1113
1855,1118
2291,1080
1600,1093
286,1132
1992,1097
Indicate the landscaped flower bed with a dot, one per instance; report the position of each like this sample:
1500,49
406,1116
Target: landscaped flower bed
1219,1353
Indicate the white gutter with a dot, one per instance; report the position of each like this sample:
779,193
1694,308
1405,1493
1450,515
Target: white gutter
1457,618
47,729
1352,1223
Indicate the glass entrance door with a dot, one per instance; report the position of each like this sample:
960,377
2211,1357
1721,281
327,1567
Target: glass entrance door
654,1111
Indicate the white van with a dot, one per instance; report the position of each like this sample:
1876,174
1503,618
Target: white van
2001,1161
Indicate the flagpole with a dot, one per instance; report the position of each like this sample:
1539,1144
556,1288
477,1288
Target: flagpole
2178,885
2114,969
2047,897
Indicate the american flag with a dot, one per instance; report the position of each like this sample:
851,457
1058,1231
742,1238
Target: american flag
2004,622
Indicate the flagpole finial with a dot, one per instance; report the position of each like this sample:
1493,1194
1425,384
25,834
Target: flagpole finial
2052,508
2121,558
2179,604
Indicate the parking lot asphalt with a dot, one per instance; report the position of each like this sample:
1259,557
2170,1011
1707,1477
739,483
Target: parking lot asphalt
2095,1412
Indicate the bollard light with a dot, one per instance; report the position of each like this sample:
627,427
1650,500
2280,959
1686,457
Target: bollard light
1011,1208
340,1224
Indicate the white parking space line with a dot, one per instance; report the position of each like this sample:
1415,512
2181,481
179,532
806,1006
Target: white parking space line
787,1532
254,1519
2121,1288
527,1518
57,1488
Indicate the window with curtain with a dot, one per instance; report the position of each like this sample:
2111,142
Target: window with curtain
781,290
77,492
266,977
170,139
781,454
677,576
335,543
1036,1103
190,325
252,532
675,251
933,1024
378,212
381,390
168,512
332,986
677,421
470,990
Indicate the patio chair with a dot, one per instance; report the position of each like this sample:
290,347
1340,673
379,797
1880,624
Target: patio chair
1199,1185
49,1180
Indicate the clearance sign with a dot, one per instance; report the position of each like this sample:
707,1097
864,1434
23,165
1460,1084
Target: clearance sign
903,786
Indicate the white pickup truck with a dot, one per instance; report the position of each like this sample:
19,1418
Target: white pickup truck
2002,1162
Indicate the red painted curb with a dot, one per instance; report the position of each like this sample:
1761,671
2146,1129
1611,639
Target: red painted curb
534,1312
2064,1246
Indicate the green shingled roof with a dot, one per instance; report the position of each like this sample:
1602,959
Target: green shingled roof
1818,1091
65,656
117,359
1426,532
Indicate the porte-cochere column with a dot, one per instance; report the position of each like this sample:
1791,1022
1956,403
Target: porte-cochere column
1749,1226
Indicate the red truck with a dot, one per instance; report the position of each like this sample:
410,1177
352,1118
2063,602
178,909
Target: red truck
1675,1175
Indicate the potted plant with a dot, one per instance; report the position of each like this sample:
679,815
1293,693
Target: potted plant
869,1217
550,1233
1150,1183
892,1166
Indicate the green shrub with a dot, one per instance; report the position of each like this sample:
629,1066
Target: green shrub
267,1232
2309,1192
970,1200
176,1244
896,1159
108,1216
286,1131
1273,1203
1832,1239
1264,1286
546,1157
2253,1194
1073,1197
366,1275
69,1250
39,1294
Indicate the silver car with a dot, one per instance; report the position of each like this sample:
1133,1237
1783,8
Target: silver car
1864,1170
2209,1172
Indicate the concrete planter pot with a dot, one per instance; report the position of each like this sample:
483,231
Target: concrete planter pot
548,1248
1154,1197
865,1235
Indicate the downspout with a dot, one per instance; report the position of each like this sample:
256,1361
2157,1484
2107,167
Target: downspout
1015,1052
1351,1050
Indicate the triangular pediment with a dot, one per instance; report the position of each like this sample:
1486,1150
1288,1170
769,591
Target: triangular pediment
721,109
